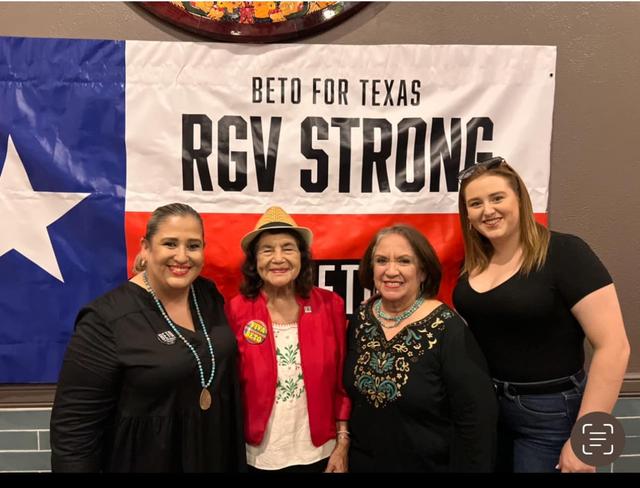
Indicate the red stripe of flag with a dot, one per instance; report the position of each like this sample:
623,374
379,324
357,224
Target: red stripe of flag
335,237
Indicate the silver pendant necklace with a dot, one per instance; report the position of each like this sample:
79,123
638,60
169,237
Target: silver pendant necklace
205,395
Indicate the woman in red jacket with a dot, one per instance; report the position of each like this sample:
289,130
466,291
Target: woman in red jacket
291,337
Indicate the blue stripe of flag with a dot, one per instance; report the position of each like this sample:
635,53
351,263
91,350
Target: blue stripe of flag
62,101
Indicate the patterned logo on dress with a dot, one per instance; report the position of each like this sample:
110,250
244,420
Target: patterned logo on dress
383,366
167,338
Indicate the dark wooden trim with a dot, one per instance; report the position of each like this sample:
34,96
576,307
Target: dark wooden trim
631,385
30,396
26,396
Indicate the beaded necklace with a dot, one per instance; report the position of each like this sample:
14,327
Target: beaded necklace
377,307
205,396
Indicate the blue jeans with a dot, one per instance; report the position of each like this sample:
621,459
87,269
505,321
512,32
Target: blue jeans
532,429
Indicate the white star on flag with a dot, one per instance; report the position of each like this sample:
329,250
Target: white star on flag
26,214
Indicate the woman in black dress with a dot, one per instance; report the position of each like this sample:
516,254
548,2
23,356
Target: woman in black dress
149,379
422,398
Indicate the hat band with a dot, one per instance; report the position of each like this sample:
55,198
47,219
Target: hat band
275,224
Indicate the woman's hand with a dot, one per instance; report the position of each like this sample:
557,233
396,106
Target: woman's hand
339,459
569,463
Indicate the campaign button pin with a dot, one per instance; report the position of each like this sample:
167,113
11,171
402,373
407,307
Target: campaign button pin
167,338
255,332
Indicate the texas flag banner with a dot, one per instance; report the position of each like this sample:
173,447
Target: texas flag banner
94,135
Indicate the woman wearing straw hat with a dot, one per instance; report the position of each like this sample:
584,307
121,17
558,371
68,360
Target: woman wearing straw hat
291,339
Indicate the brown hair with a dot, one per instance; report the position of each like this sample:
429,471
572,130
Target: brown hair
534,237
158,216
428,261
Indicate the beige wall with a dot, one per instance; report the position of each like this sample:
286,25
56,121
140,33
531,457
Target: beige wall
595,172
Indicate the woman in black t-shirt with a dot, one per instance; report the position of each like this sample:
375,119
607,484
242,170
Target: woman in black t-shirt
530,296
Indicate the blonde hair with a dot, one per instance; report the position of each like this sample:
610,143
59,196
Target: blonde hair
534,237
158,216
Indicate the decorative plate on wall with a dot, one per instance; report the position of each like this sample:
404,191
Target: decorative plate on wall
253,21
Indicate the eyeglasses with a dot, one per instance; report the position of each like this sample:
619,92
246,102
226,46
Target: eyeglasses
488,164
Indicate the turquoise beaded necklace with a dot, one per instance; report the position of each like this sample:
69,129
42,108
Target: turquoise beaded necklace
377,307
205,396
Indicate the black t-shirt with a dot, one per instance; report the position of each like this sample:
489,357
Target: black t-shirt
525,326
128,394
422,401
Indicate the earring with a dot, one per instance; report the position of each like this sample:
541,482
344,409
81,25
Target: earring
143,263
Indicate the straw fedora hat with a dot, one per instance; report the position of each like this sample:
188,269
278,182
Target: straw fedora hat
275,218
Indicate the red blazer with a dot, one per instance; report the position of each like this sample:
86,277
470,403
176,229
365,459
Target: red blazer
322,335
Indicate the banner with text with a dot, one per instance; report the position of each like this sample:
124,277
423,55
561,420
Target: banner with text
94,135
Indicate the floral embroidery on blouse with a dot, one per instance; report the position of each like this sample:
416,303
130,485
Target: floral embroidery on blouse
290,384
383,366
